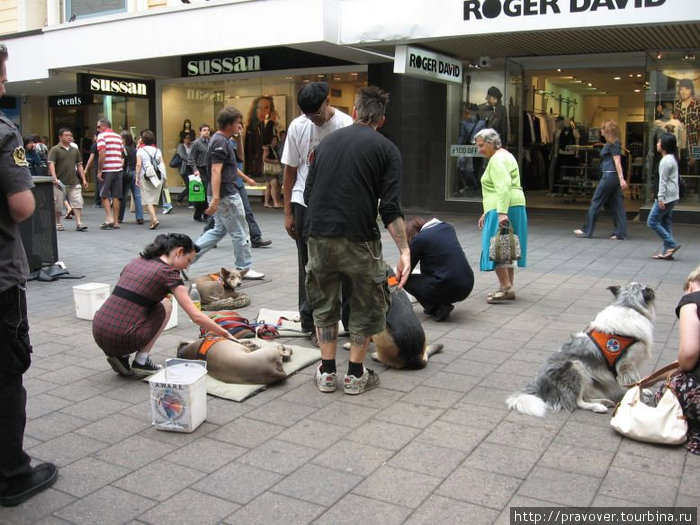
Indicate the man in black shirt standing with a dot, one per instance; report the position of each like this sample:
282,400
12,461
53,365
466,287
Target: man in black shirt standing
354,173
225,203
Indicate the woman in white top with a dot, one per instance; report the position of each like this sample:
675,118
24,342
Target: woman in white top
150,187
660,216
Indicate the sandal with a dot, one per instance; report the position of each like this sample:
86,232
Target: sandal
107,226
68,215
153,225
501,295
60,228
672,250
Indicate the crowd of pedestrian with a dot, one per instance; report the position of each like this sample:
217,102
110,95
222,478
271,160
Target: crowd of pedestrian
327,157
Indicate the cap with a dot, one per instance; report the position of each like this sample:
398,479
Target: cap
494,92
686,83
312,95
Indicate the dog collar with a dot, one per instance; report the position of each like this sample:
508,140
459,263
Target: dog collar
216,277
612,346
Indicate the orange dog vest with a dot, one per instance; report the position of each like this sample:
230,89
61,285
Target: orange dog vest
209,341
613,346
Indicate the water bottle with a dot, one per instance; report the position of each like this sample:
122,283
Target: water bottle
196,298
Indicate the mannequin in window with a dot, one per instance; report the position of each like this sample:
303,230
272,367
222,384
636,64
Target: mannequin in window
186,130
493,112
469,167
667,123
687,110
260,128
566,139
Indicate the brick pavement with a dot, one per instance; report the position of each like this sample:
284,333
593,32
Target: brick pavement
429,446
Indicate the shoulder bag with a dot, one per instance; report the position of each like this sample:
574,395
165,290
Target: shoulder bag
176,161
504,246
664,424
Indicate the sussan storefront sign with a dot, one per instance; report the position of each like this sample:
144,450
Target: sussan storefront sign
416,62
99,85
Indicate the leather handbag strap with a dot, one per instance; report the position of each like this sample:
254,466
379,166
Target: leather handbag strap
654,376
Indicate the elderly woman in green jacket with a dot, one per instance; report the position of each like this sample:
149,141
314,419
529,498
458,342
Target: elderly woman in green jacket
503,202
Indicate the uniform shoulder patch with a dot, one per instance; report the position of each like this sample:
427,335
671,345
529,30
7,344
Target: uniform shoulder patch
20,156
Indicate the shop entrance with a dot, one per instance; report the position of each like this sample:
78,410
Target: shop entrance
561,141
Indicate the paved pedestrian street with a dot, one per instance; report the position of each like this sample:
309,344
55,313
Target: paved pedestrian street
434,446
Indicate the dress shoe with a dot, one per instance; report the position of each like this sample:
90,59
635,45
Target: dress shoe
260,243
19,489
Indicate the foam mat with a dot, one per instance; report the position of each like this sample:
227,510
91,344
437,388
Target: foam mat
301,358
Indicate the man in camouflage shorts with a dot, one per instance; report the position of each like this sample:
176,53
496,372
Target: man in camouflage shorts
354,173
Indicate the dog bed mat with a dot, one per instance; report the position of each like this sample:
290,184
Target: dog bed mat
301,358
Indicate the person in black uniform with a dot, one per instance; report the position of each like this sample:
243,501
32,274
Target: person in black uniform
19,481
446,276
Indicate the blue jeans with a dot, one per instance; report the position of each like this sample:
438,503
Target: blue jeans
661,222
608,193
229,218
136,192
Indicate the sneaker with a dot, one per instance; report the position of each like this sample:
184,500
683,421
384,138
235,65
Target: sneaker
356,385
120,365
260,243
146,369
325,382
165,211
20,488
252,274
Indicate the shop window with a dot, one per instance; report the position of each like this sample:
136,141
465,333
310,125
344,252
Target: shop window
87,8
673,106
268,105
480,103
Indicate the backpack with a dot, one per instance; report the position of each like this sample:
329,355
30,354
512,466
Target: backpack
152,169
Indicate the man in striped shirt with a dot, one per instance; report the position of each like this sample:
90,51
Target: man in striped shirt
109,171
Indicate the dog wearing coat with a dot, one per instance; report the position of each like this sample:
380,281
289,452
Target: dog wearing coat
235,362
590,371
218,290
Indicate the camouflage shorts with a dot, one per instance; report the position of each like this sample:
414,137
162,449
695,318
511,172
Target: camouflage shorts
362,262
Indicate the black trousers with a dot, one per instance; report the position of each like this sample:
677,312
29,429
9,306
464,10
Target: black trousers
305,308
199,207
430,298
15,358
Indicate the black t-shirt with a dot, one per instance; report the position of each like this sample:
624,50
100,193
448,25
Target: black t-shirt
221,152
14,178
691,298
351,170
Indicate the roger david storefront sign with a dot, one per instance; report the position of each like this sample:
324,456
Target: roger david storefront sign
416,62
